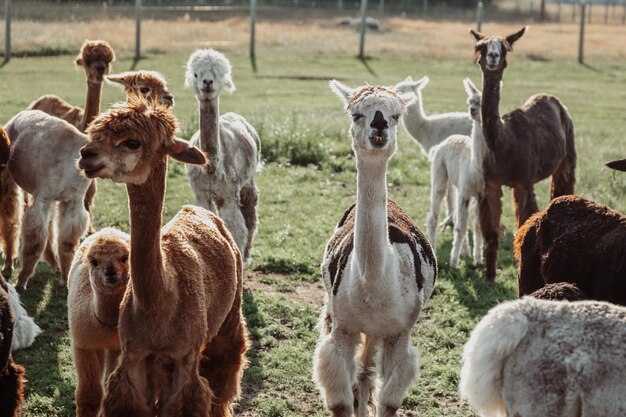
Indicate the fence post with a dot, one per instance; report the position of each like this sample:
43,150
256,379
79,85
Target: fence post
581,40
479,15
606,12
624,12
574,7
252,34
425,5
138,30
339,4
381,5
363,26
558,15
589,16
7,30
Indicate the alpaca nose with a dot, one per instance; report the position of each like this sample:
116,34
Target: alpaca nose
169,98
379,123
101,67
111,274
208,83
86,152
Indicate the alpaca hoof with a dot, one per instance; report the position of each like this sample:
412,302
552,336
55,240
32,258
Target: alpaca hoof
448,222
20,287
7,273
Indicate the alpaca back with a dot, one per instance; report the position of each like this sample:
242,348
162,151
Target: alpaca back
56,106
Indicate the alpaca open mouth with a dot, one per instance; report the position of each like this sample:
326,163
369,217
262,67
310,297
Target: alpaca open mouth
92,172
378,141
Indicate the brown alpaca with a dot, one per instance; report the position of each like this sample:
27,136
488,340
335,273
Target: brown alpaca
10,207
526,146
11,375
560,291
148,84
186,278
97,283
5,148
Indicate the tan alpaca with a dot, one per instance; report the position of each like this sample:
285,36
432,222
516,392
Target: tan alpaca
148,84
186,278
97,283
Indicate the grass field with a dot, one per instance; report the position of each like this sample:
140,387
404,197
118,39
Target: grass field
307,182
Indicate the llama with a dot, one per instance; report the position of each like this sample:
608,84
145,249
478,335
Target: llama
560,291
43,153
525,146
10,207
577,241
458,160
233,148
25,330
12,378
379,271
97,282
149,84
192,266
537,358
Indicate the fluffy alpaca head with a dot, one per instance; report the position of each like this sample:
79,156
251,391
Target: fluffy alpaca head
148,84
619,165
491,51
208,71
5,148
128,140
474,96
407,87
108,261
375,112
96,58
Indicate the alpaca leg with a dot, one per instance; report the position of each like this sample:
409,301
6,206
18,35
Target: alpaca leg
126,392
186,394
89,390
110,362
460,230
33,239
249,198
525,204
204,200
450,207
73,223
89,197
399,368
490,210
478,236
12,209
439,184
235,223
48,254
366,377
334,370
11,388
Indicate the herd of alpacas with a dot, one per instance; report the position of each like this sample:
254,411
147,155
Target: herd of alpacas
558,352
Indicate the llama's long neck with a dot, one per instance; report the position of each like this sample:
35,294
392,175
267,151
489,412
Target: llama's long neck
92,104
490,108
146,260
479,145
371,236
210,128
106,308
415,108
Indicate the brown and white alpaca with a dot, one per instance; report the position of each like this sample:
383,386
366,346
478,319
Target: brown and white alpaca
149,84
379,271
97,282
525,145
10,206
186,277
578,241
233,148
43,153
11,375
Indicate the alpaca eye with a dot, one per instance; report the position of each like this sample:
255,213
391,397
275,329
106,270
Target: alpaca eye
94,263
132,144
396,117
124,259
195,75
356,117
144,90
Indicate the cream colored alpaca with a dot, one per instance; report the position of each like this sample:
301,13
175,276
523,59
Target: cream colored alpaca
186,278
233,147
43,153
379,271
97,283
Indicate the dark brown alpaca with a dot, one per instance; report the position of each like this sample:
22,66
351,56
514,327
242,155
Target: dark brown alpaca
525,145
577,241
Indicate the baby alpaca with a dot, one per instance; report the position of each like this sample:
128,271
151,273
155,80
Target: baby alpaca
25,329
97,283
537,358
459,161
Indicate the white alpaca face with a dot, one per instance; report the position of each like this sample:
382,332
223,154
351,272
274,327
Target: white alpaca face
208,72
474,97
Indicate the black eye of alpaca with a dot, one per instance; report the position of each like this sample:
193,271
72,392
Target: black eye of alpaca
396,117
94,263
132,144
357,116
124,259
195,75
144,90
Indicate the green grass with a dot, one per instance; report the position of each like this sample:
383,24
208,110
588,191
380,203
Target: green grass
307,181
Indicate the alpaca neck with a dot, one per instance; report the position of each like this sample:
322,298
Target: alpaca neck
106,308
415,108
146,260
489,108
479,146
210,128
92,104
371,240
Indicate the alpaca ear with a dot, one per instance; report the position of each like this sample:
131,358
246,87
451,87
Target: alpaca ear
79,61
343,91
181,151
470,88
421,83
116,79
477,35
514,37
619,165
229,85
405,87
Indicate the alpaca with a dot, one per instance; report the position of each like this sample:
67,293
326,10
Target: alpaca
578,241
233,148
10,207
525,146
12,378
379,271
560,291
458,160
43,153
5,148
149,84
25,330
192,266
97,283
537,358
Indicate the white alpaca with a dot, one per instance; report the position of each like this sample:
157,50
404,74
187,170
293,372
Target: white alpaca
538,358
43,158
25,329
378,269
458,161
232,146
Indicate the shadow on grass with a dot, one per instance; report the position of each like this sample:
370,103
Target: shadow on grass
367,65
